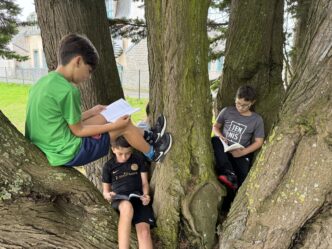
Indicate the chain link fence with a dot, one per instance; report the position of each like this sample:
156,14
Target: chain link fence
21,75
135,83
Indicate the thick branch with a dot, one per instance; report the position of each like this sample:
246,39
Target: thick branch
48,207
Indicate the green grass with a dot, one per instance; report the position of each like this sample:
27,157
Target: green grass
13,99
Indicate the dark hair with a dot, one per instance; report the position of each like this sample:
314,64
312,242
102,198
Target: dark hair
73,45
246,92
120,142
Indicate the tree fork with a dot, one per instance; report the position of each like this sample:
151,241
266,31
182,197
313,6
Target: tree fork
48,207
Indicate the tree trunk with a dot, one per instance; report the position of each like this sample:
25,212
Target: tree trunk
59,17
48,207
154,11
286,200
253,55
186,193
302,10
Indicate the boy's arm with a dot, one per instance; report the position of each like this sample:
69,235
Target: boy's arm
216,128
107,191
82,130
251,148
145,185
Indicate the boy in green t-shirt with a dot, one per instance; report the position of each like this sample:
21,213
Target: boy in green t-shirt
56,125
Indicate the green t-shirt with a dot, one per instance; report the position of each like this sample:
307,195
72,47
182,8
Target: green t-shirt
53,104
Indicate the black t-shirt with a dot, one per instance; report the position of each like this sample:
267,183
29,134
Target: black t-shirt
125,178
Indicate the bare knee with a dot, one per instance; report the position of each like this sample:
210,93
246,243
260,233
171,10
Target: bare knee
126,209
143,231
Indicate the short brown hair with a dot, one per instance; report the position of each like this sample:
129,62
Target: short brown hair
120,142
73,45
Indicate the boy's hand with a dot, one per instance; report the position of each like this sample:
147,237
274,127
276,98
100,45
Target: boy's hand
97,109
223,138
108,195
145,199
238,152
122,121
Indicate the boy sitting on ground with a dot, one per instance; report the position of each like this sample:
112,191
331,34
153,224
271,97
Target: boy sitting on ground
124,174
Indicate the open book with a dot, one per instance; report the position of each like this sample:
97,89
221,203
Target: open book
118,109
231,147
126,197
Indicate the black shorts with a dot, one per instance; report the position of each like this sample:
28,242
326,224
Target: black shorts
141,213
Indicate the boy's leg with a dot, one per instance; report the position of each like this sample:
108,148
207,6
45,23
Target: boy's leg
144,235
224,166
135,138
222,162
133,135
124,226
95,120
241,167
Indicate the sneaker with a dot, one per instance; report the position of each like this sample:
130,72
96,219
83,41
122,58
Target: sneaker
229,179
162,147
158,129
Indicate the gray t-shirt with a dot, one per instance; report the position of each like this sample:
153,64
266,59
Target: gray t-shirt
238,128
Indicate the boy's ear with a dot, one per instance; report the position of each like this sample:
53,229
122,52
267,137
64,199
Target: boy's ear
77,60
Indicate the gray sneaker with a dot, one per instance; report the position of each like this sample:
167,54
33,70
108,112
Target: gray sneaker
162,147
158,129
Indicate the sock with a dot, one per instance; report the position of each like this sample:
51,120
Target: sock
150,153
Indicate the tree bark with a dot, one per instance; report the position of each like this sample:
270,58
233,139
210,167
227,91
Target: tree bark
285,201
253,56
301,12
154,11
186,193
48,207
60,17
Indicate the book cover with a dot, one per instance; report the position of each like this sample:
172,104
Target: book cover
126,197
118,109
231,147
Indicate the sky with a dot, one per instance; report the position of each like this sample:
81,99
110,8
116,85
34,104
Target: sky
27,7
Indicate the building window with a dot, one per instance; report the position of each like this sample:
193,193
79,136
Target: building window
109,8
44,61
36,59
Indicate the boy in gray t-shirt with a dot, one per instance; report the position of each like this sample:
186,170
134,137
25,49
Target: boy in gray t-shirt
237,124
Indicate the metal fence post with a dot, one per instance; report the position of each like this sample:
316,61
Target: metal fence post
23,75
139,84
6,75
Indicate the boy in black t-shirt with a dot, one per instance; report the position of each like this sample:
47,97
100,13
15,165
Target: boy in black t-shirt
124,174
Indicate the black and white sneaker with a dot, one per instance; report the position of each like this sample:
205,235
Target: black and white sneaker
158,129
162,147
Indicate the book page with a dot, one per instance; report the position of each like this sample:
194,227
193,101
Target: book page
135,195
231,147
118,109
234,147
120,197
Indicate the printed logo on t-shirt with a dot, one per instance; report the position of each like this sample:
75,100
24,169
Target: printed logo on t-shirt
134,167
235,132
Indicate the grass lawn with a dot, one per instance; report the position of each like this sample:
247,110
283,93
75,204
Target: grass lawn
13,99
